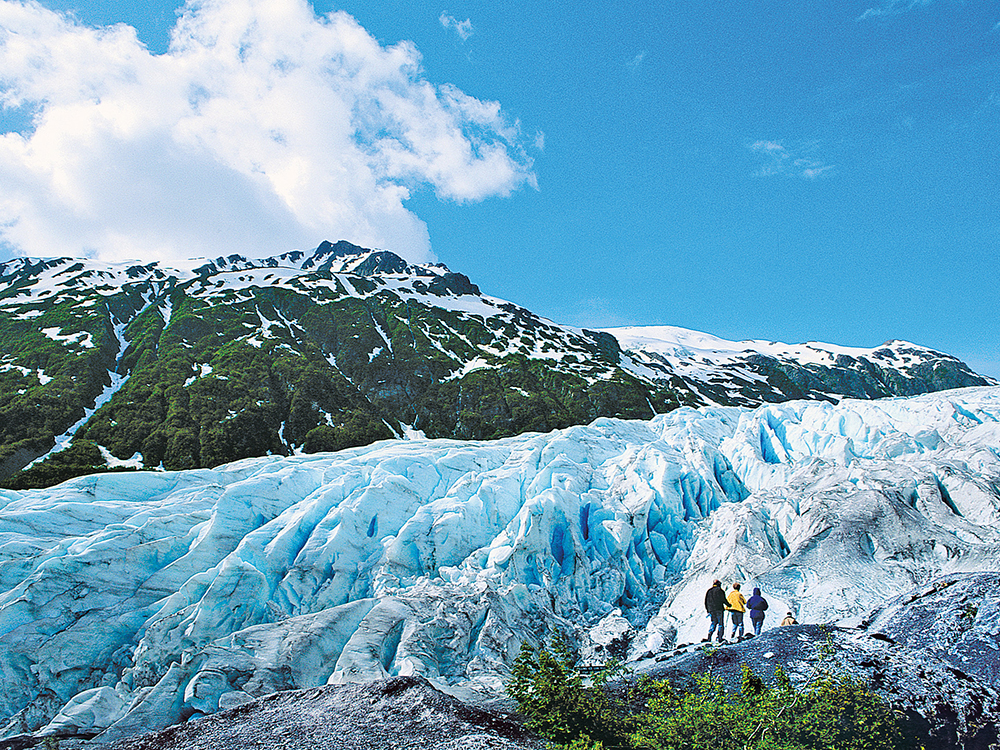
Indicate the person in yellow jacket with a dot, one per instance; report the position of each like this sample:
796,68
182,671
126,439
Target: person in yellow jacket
737,606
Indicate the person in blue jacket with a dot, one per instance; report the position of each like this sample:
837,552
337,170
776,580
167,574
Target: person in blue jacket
757,605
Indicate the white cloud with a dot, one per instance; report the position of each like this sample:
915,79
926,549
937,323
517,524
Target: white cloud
261,129
636,61
462,28
812,171
893,8
799,159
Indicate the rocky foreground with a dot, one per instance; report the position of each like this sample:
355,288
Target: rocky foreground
932,653
402,712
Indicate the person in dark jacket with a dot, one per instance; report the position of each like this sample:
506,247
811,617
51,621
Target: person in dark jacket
757,605
715,605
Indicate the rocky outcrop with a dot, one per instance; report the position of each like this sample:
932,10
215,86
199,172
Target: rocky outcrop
403,712
942,707
955,618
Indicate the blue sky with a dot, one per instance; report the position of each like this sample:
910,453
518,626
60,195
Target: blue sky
790,171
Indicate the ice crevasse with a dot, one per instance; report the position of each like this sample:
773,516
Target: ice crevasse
133,601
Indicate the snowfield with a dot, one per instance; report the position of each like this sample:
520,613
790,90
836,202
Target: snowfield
133,601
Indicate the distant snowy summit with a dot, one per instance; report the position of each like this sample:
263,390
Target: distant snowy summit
747,373
144,365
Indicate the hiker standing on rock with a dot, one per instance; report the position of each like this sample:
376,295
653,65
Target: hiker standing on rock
737,606
715,605
757,605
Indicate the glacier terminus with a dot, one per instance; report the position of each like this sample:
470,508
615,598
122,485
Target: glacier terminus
131,601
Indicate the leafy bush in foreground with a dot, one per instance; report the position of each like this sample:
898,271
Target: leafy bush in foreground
830,712
556,703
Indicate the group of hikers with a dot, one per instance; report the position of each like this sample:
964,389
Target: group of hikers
717,603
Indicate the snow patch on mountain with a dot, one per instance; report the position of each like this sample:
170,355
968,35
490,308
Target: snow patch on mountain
39,373
80,338
674,341
62,442
681,346
135,462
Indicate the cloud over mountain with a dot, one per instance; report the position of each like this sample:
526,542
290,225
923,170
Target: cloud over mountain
261,126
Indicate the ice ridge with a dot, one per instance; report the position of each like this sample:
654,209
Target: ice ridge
133,601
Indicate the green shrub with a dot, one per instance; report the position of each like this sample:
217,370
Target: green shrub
830,712
559,705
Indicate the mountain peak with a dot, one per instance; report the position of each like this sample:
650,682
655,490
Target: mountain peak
341,345
342,247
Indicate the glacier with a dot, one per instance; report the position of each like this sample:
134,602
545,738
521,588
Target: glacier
131,601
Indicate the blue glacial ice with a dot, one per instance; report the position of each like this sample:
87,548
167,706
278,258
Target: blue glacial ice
133,601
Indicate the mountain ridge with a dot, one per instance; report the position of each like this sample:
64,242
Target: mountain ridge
227,358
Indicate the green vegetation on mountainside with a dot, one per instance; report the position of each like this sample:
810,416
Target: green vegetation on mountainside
246,373
247,358
45,383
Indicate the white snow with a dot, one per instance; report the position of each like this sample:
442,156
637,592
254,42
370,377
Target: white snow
166,310
383,335
471,366
180,590
81,338
409,433
135,462
39,373
671,340
202,370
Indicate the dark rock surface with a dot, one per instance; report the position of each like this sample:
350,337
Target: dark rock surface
403,712
956,618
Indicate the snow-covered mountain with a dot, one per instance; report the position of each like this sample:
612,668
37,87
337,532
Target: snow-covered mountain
747,373
131,601
301,352
128,365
